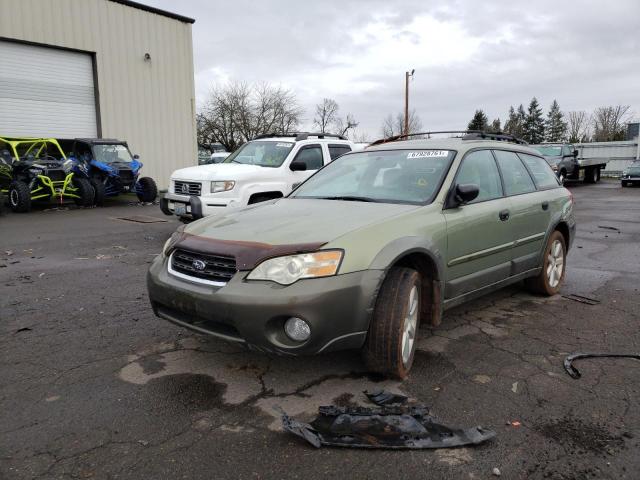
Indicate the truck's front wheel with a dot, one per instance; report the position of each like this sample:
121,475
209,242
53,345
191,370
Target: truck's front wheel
391,341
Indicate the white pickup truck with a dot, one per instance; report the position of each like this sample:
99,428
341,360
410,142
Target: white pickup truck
267,167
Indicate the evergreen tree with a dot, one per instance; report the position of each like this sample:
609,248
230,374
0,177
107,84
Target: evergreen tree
515,122
555,126
479,121
495,126
534,123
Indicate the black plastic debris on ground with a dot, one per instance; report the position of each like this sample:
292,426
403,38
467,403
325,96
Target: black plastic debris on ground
399,426
573,371
382,397
582,299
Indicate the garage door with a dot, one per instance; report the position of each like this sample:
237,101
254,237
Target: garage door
46,92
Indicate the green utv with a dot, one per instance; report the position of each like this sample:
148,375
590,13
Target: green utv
36,169
371,246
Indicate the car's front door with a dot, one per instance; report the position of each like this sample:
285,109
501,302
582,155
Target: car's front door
311,156
529,211
479,236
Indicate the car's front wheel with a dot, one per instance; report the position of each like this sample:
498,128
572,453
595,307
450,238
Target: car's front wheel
391,340
550,278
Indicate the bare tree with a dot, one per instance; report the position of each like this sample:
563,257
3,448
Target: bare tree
393,126
608,123
343,125
237,112
326,114
578,126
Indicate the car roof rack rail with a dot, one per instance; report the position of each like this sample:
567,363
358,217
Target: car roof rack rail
300,135
465,135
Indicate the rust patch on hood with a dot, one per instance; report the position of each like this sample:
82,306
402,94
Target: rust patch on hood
247,254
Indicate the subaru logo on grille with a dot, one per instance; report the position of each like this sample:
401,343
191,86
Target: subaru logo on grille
185,188
199,265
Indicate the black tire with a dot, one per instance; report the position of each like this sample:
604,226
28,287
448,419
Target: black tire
147,190
563,176
84,190
541,283
19,197
592,175
99,192
383,348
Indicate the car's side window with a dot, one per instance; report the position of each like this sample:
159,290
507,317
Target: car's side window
311,155
336,151
542,173
515,176
480,168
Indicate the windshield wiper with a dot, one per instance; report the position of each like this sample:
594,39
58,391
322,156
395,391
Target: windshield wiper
350,198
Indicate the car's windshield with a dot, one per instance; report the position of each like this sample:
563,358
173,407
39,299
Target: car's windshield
549,150
634,169
261,153
388,176
111,153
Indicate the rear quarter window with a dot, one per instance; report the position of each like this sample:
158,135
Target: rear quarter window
542,174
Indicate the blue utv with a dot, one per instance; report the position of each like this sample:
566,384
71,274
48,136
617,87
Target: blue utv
112,170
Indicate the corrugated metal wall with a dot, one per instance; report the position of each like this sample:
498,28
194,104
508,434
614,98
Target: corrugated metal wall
151,104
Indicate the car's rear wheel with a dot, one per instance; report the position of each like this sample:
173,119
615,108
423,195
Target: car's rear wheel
549,280
391,340
19,196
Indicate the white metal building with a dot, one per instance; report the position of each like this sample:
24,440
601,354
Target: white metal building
100,68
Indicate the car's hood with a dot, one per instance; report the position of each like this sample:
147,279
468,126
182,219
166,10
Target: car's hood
295,221
220,171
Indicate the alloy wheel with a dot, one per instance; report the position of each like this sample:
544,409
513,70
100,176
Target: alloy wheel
410,325
555,263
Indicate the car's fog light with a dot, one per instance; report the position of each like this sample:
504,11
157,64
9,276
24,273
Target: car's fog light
297,329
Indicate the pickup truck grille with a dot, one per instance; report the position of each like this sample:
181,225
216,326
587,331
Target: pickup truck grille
187,188
215,268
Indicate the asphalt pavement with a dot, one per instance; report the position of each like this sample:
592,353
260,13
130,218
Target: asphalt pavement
92,385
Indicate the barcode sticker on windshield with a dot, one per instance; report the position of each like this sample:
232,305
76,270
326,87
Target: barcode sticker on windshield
428,153
286,145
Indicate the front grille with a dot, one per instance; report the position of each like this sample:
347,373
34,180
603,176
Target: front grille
187,188
126,176
56,175
217,268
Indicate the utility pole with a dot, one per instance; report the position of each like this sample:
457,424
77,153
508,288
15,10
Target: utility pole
406,100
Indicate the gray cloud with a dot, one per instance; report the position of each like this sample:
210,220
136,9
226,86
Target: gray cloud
467,54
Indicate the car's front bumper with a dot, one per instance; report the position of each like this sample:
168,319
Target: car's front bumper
630,180
337,309
195,207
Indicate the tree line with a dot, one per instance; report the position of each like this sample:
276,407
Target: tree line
604,124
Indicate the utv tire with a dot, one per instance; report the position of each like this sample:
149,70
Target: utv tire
391,341
85,191
99,192
19,196
554,266
147,190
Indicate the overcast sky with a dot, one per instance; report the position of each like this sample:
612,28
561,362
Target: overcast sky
467,54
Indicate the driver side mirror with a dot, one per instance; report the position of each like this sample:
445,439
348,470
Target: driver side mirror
298,166
575,153
463,194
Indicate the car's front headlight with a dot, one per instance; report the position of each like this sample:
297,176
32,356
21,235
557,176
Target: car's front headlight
173,239
291,268
222,186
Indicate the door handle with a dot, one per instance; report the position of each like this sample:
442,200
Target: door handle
545,205
504,215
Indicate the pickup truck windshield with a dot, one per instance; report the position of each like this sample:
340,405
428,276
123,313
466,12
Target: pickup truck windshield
549,150
112,153
261,153
388,176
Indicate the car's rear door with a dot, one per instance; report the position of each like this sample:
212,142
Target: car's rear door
529,208
479,236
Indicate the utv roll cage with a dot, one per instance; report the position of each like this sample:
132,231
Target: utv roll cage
464,135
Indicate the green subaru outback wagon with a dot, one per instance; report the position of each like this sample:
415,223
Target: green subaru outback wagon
371,246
